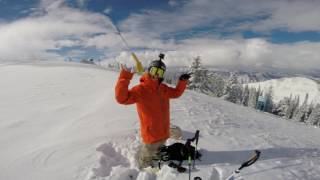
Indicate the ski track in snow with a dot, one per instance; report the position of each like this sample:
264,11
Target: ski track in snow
73,134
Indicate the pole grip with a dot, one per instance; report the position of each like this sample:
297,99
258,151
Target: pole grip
139,66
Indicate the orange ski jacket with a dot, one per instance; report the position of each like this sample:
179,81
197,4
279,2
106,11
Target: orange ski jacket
152,101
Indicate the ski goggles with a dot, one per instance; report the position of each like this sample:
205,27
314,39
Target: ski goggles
155,71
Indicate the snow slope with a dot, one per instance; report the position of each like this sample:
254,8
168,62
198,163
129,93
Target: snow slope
297,86
61,122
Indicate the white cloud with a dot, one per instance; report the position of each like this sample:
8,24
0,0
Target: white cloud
51,27
293,15
107,10
75,54
237,53
144,30
82,3
173,3
50,4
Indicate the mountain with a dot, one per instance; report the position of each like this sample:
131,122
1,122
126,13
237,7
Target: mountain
295,86
61,121
246,75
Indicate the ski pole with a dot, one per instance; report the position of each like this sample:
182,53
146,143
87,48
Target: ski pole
188,146
248,163
195,151
189,163
139,66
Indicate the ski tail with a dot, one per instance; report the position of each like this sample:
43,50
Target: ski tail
251,161
248,163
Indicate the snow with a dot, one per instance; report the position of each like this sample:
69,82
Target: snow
297,86
61,121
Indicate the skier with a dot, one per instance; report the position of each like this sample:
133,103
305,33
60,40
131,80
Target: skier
152,100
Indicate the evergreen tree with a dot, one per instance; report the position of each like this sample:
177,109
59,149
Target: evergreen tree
289,108
253,98
293,106
269,99
301,115
233,90
259,92
310,109
282,107
197,74
216,84
200,80
245,96
314,118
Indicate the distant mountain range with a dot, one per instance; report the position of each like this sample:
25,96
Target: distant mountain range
284,83
294,86
250,76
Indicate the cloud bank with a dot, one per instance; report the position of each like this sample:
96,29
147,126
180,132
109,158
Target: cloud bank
248,54
57,31
50,28
291,15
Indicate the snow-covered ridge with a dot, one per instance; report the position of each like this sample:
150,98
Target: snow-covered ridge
61,122
295,86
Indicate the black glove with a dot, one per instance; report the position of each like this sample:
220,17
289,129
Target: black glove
185,76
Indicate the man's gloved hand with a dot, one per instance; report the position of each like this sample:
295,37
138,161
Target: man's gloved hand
185,76
128,69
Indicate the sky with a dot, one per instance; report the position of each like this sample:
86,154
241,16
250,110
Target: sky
273,34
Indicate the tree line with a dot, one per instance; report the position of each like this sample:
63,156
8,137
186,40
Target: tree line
231,90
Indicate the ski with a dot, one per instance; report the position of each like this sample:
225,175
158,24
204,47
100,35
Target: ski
248,163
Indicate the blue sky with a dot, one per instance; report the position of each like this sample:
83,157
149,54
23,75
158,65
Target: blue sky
121,9
224,32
